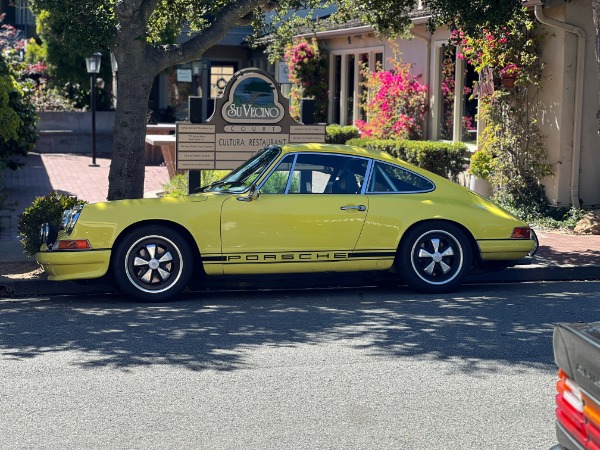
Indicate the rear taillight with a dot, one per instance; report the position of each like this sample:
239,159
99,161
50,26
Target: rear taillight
591,411
521,233
577,413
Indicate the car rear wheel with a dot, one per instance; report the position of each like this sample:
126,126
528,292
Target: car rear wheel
435,257
153,263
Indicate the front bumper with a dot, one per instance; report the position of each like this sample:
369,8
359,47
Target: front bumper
74,265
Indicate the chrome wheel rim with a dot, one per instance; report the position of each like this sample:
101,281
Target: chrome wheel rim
153,264
437,257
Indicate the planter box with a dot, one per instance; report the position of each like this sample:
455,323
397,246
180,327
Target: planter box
71,132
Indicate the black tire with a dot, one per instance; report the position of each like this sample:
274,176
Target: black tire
153,263
435,257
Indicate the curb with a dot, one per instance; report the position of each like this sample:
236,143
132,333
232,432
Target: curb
10,288
537,273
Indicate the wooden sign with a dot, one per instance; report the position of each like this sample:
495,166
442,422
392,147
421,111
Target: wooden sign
250,115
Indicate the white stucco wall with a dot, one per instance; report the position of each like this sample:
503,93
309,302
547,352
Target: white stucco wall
559,50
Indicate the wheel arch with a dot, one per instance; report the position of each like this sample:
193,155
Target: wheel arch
178,228
474,247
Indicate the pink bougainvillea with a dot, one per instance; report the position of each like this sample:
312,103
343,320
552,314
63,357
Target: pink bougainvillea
307,72
394,101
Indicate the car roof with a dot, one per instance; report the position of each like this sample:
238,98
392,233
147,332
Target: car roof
365,153
340,149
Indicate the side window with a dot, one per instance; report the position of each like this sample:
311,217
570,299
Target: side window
278,180
328,174
390,178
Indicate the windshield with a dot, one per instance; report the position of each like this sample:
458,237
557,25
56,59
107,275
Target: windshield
242,178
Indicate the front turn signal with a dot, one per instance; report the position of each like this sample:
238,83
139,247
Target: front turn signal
74,244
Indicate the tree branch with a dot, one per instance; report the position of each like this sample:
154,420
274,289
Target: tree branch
234,14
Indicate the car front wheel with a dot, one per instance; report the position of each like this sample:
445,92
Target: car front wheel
435,257
153,263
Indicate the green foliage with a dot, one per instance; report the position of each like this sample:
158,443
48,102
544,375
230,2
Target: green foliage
277,183
18,132
512,155
36,52
482,164
210,176
176,187
539,214
445,159
64,56
338,134
43,209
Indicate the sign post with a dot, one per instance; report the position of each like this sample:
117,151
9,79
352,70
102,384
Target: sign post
250,115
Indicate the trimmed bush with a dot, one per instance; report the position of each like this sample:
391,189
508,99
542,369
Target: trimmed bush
442,158
43,209
337,134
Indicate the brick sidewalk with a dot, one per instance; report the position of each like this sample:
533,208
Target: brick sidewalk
66,173
568,249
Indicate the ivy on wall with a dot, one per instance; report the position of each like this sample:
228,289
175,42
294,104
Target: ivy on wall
511,155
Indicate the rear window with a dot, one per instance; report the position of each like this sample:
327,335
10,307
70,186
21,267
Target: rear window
389,178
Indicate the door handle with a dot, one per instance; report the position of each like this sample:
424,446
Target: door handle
354,207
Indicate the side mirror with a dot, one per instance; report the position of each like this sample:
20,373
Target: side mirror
253,194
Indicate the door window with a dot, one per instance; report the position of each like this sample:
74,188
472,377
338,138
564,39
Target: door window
317,174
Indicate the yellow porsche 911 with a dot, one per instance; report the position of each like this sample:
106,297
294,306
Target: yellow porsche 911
291,209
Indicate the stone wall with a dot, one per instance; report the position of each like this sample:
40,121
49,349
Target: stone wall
71,132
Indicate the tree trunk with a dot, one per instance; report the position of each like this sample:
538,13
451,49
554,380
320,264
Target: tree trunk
136,74
138,64
126,176
596,15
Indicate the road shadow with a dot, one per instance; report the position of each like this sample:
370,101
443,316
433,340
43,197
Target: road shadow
480,326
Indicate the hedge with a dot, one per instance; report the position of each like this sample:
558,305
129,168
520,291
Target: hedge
442,158
337,134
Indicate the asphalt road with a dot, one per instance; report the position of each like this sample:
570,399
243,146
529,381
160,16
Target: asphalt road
339,369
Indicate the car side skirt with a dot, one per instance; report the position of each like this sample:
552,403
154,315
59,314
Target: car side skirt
297,262
74,265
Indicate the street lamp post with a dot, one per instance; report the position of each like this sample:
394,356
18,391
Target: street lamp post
93,67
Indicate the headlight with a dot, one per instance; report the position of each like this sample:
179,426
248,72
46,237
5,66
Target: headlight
69,219
48,234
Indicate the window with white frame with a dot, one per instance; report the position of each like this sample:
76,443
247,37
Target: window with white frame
345,81
457,110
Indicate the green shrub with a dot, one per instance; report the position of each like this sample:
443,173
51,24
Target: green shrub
43,209
442,158
337,134
176,187
482,164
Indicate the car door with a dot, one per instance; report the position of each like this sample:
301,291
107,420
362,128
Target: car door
308,217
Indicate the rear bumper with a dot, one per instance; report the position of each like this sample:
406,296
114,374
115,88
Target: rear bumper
505,249
74,265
